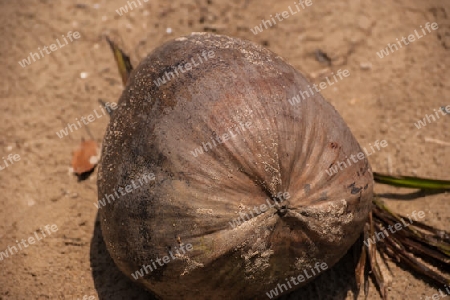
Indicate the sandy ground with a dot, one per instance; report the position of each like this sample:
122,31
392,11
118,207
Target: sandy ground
381,99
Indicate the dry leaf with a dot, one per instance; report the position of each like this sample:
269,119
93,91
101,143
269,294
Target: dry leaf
86,157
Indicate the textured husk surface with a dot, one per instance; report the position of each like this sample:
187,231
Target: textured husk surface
193,199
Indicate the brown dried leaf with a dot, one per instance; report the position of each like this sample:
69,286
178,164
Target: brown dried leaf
86,157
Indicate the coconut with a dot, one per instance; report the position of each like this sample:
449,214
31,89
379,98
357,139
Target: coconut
225,173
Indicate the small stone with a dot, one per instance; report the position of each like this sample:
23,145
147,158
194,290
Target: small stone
384,128
365,65
31,202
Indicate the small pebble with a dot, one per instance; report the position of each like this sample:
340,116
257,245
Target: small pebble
169,30
384,127
93,160
83,75
365,65
31,202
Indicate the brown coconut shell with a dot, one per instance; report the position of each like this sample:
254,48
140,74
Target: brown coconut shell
193,199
